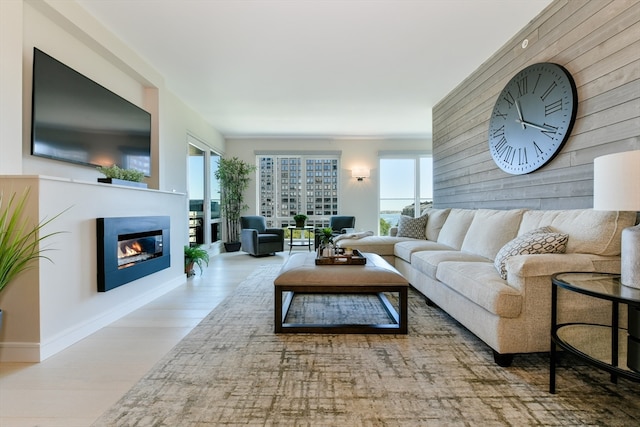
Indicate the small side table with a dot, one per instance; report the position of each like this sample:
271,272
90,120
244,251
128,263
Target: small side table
306,229
603,346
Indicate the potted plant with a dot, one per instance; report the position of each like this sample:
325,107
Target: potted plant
19,241
326,241
300,220
119,176
234,176
194,255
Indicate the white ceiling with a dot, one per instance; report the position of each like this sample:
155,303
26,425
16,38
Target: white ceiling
315,68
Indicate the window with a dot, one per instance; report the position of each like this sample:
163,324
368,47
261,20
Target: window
204,194
196,195
214,197
292,184
406,182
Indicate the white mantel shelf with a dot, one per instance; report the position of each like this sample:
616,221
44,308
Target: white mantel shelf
84,182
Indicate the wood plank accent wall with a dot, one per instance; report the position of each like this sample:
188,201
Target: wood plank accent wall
598,41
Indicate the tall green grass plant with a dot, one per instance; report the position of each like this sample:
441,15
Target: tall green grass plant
20,242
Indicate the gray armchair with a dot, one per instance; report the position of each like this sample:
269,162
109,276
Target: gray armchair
257,239
340,224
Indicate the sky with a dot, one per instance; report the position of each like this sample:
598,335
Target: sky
397,182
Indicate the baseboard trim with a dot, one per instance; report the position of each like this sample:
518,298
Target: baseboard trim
28,352
32,352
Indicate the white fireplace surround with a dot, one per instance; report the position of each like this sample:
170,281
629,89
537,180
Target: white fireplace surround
56,304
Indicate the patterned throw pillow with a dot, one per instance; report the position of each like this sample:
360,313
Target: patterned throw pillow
538,241
412,227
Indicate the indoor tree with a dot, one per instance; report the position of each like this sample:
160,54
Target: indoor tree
234,176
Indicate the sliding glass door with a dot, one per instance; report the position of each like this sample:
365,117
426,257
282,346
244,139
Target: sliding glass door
203,189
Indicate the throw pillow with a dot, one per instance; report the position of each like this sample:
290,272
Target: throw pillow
534,242
412,227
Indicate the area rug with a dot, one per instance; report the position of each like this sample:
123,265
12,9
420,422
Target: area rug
233,370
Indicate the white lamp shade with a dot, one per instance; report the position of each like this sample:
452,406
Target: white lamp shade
360,173
616,182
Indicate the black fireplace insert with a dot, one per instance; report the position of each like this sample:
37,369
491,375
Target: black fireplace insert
130,248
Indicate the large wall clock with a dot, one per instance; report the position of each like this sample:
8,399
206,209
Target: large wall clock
532,118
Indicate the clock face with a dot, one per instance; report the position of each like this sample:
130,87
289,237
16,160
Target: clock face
532,118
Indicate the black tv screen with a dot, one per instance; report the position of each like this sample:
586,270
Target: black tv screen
74,119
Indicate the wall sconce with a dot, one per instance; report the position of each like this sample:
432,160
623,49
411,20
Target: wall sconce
360,173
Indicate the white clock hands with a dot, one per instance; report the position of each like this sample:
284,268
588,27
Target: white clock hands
520,115
524,123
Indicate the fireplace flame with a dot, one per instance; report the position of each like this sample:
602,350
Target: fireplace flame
134,249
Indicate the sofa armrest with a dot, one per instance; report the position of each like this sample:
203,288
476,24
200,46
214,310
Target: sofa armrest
520,267
249,239
278,231
347,230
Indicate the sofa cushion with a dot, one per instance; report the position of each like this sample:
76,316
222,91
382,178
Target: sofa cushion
404,250
412,227
490,230
455,227
481,284
436,220
590,231
539,241
269,238
427,261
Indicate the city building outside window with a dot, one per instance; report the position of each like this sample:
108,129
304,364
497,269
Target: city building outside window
292,184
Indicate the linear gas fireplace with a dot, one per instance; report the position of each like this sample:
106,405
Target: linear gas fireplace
130,248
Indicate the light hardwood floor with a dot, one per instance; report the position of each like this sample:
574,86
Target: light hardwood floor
74,387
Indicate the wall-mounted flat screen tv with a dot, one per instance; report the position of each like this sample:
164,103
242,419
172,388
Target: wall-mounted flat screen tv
74,119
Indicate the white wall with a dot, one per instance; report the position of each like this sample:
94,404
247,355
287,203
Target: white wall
10,87
59,303
359,198
177,121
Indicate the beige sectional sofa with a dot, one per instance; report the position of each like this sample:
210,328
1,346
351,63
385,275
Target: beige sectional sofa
453,264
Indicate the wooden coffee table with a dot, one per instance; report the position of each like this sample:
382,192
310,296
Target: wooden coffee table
300,275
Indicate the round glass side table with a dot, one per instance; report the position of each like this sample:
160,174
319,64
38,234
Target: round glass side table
612,348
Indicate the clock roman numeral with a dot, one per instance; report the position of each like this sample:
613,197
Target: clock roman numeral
537,149
509,154
498,132
522,156
499,114
522,86
548,91
500,145
553,107
509,98
536,85
552,131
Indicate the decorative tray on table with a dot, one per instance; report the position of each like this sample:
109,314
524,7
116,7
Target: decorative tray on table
355,258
